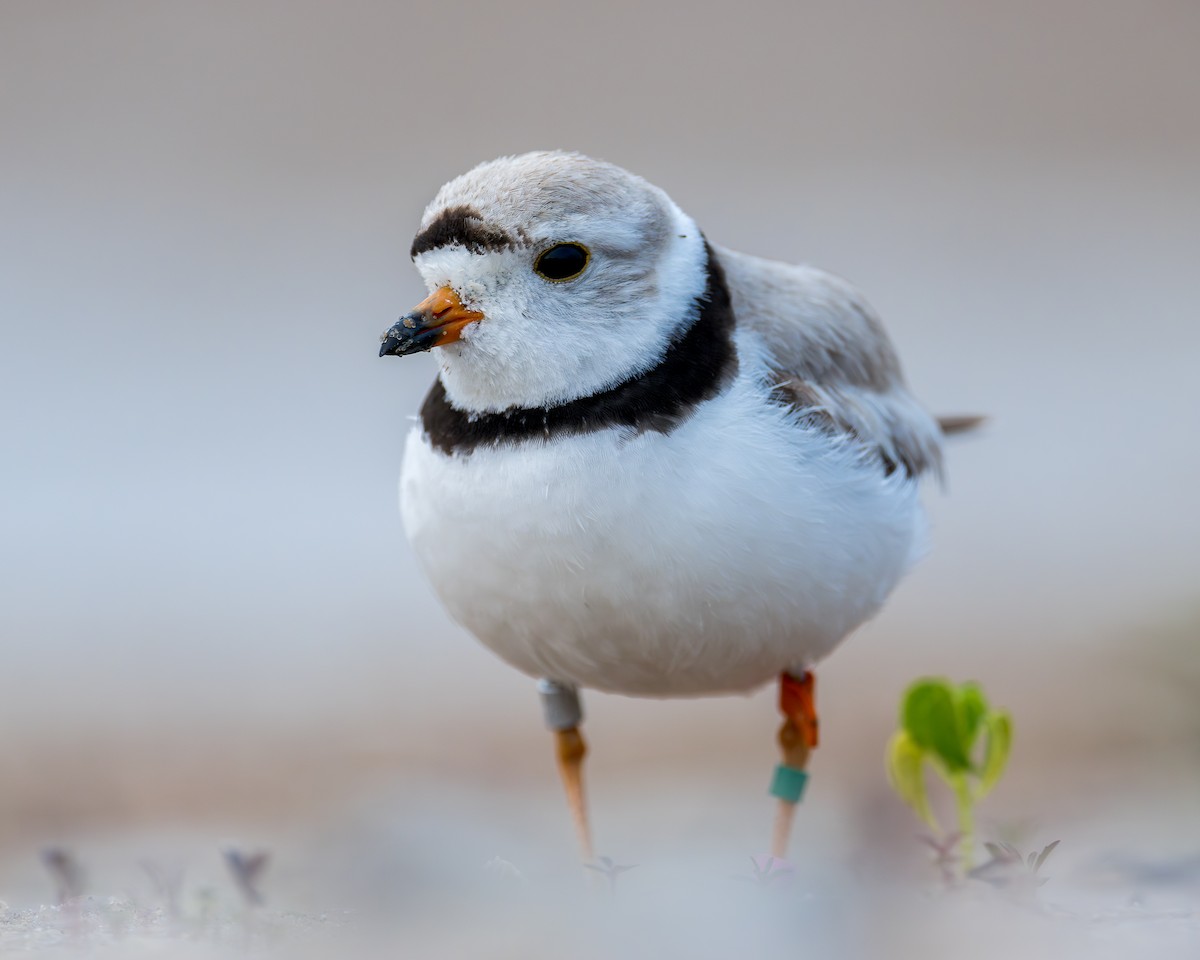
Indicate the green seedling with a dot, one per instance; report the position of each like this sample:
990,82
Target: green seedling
942,725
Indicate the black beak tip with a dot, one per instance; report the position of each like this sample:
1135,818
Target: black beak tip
404,341
395,342
407,335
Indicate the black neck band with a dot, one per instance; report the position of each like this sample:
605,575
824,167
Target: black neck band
694,368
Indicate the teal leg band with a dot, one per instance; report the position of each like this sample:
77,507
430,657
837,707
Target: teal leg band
788,783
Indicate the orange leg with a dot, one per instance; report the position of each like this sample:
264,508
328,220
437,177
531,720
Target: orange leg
797,738
571,751
564,714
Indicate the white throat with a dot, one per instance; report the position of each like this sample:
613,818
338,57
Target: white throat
540,346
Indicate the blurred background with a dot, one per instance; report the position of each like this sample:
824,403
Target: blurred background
211,622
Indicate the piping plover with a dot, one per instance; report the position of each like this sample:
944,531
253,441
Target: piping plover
650,465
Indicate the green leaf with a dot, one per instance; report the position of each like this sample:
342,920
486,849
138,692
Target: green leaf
999,740
931,717
907,777
972,708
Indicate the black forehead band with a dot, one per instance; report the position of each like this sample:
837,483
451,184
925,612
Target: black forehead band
462,225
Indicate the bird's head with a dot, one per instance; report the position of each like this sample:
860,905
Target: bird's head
551,276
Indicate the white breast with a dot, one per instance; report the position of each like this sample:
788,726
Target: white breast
701,561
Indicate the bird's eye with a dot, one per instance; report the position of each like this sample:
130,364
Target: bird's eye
564,261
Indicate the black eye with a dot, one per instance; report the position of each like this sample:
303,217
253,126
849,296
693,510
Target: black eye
565,261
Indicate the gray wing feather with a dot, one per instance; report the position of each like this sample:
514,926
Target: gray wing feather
833,361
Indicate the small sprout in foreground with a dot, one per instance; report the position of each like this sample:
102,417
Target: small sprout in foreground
941,724
66,872
1009,869
945,855
606,868
167,880
247,869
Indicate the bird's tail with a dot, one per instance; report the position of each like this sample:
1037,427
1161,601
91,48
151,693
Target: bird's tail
959,424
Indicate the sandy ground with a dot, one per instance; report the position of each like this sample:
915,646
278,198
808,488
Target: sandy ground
433,868
432,856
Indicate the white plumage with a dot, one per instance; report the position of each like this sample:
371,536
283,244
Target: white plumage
702,561
748,537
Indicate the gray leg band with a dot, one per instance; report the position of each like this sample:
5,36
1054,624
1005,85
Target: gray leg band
560,705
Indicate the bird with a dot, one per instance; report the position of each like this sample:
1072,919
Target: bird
650,465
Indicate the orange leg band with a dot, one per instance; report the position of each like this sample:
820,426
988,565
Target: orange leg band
797,702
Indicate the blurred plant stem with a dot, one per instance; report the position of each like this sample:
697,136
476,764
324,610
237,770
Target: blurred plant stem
964,802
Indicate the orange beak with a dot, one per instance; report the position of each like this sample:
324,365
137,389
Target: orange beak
437,320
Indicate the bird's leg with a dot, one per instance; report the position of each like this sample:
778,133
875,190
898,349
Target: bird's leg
797,738
564,714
